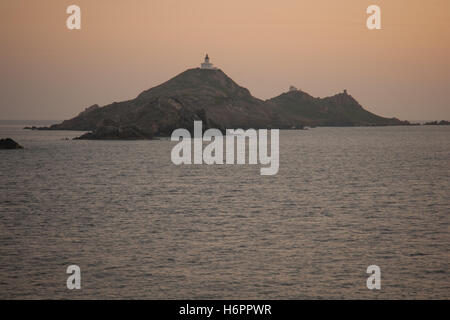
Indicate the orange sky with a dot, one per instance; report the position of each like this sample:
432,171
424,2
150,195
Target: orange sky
320,46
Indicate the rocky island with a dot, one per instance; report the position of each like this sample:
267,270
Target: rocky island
209,95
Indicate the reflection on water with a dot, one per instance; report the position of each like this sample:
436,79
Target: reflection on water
140,227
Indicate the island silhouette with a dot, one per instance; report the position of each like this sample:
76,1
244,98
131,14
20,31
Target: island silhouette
211,96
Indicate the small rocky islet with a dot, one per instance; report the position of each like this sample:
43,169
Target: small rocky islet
9,143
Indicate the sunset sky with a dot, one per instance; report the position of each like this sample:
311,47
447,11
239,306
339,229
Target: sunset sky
320,46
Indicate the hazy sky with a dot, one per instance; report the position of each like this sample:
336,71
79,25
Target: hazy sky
320,46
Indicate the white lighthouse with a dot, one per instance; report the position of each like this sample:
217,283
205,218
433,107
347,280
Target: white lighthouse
207,64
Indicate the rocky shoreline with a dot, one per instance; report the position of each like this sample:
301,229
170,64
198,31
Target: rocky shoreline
437,123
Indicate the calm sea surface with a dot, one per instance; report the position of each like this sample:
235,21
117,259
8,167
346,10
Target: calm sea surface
140,227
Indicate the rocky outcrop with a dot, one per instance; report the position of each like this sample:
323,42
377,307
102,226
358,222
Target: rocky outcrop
437,123
338,110
110,130
9,143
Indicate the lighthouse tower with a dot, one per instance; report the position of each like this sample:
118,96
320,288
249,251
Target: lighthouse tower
207,64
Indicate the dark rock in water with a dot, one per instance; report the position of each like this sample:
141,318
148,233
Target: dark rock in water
436,123
38,128
111,130
9,143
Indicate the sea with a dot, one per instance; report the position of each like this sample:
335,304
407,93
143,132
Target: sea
140,227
